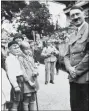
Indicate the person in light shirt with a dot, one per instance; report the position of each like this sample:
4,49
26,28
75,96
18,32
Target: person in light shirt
13,69
49,53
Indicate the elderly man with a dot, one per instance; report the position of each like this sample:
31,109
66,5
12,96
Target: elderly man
49,53
77,62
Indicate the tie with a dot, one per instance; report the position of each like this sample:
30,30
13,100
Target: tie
76,31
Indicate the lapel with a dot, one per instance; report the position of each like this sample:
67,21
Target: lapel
76,37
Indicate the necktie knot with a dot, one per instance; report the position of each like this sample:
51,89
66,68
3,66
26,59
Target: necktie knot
76,31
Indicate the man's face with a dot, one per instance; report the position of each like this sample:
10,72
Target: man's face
77,17
15,49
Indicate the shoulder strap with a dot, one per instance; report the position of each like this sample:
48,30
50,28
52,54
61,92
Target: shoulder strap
7,75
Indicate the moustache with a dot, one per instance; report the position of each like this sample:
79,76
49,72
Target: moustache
76,19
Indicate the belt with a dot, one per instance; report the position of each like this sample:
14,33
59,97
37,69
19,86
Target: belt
77,53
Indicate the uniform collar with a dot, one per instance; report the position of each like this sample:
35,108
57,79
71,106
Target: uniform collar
79,34
79,28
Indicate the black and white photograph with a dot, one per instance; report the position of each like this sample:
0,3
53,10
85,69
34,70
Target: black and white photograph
44,55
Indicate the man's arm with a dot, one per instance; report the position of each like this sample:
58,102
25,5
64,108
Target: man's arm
56,51
68,66
44,53
83,66
67,60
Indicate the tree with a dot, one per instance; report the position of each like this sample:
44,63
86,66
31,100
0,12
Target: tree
35,17
9,8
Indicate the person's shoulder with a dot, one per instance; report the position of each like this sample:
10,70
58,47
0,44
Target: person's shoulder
9,56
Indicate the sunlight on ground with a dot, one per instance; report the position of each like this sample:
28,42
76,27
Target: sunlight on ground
53,96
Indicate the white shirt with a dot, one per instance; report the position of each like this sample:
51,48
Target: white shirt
6,87
13,69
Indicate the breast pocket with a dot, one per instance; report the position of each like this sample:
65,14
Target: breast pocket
80,47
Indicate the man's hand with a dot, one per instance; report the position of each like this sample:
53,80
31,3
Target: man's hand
73,75
72,72
32,84
17,89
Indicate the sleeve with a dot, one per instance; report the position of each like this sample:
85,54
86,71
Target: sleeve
44,54
13,70
56,51
67,59
83,66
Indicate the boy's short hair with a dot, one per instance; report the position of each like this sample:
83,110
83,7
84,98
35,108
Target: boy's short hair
11,43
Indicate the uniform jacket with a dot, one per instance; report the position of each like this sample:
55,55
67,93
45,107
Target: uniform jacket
49,50
78,56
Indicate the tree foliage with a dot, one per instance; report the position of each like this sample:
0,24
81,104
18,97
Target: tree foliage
9,8
35,16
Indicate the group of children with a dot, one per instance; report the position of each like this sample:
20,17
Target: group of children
20,72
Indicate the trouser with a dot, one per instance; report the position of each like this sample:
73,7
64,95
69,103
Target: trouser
3,107
57,66
79,99
6,106
27,97
28,102
49,71
15,100
15,105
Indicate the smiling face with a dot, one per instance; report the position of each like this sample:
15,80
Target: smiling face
77,17
15,49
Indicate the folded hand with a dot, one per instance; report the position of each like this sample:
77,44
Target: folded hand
32,84
72,72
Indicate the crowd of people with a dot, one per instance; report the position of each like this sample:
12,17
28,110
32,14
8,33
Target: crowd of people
20,73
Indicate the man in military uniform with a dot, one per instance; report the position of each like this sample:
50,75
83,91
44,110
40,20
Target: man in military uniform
49,53
77,62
